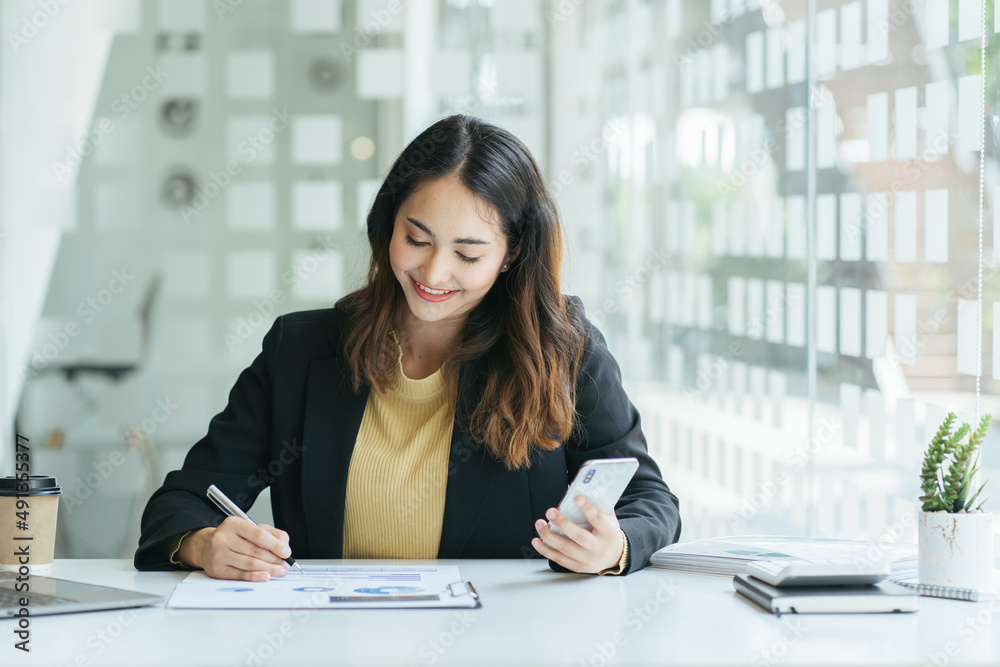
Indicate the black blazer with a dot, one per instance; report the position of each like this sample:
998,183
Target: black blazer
291,423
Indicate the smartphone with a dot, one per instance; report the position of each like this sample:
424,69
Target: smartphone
603,481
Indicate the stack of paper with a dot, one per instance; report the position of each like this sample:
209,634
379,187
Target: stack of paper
730,555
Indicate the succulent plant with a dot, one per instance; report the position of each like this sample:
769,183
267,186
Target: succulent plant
948,489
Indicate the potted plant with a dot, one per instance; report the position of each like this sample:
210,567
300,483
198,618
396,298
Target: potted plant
956,536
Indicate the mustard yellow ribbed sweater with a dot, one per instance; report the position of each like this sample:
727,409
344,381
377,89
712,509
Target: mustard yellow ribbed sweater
399,469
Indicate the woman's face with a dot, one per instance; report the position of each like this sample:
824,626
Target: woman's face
447,250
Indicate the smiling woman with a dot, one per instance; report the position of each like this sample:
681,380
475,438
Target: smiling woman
442,407
464,212
454,266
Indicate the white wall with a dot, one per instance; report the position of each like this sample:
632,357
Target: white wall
46,101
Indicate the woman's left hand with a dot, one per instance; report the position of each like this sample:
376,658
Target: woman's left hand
579,549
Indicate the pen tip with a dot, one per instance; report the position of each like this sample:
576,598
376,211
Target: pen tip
299,568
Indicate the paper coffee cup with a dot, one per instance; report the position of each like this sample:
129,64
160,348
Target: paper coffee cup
28,508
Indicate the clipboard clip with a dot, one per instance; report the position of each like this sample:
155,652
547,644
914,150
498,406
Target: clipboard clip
463,588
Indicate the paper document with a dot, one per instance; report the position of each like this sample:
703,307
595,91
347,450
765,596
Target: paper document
730,555
331,587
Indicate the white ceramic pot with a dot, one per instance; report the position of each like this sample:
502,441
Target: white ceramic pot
956,549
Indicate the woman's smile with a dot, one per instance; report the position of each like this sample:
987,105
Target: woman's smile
429,294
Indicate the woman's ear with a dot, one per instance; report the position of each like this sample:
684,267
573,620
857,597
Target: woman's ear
509,259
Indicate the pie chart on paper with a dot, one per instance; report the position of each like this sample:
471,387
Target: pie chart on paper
388,590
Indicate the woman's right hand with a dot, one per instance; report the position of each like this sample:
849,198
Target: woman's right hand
237,549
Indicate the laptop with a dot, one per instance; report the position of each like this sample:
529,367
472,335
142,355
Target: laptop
58,596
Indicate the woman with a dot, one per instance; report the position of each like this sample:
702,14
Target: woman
438,412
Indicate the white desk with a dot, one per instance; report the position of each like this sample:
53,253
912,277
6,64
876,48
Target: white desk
530,616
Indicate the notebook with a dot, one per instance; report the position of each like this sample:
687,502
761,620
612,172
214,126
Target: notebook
881,597
950,592
58,596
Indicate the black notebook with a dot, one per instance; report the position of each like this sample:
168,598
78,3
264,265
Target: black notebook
881,597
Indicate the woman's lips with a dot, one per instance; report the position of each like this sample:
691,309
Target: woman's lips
427,296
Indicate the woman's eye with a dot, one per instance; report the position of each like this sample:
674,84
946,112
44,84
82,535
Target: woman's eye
419,244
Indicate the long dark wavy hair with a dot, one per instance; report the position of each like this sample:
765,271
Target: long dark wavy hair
527,345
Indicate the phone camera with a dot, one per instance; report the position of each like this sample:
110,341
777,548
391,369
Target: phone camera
589,476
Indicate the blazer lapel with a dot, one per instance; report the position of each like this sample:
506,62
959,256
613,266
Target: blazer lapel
332,420
471,473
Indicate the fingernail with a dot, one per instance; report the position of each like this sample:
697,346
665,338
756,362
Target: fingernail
551,514
580,502
286,552
284,571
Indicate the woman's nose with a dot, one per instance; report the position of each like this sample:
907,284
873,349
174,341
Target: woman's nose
435,271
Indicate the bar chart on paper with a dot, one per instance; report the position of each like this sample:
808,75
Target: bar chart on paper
331,587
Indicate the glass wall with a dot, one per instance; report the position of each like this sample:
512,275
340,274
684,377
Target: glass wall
773,211
791,226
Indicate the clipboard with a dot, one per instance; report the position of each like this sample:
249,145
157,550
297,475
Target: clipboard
334,587
458,594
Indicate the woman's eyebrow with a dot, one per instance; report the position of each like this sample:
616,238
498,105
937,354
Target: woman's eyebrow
427,231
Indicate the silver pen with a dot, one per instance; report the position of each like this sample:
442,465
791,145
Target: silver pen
230,508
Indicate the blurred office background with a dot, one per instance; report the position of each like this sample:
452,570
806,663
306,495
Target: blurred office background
773,211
